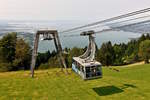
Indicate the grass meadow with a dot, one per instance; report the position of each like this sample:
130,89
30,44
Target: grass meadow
130,83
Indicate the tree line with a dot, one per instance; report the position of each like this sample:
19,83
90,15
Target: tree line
15,53
109,55
121,54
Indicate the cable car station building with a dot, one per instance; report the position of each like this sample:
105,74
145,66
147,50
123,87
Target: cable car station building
86,65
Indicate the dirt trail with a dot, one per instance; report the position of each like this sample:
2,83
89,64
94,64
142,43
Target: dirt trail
138,63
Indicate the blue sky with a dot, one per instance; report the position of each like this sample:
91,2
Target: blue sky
68,9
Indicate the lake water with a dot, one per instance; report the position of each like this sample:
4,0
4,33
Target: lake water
30,27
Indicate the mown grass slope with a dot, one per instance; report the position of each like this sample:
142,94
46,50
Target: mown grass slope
130,83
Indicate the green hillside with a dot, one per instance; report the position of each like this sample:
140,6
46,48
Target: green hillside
130,83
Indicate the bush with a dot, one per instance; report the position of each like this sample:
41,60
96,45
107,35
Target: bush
44,66
5,67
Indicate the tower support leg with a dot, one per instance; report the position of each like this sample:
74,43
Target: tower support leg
59,51
34,54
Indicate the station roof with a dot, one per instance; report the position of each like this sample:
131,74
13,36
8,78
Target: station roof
86,64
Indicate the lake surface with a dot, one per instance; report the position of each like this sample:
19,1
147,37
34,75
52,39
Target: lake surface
30,27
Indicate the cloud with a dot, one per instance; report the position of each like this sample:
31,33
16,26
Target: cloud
68,9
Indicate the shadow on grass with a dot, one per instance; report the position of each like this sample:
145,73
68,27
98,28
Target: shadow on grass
109,90
128,86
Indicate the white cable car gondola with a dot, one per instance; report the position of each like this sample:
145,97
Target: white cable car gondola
86,65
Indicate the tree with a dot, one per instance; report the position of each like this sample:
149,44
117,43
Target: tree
131,53
74,52
106,54
15,53
118,54
144,50
8,47
147,36
44,57
7,51
22,54
142,38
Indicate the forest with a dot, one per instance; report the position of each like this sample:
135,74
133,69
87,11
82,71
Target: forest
15,53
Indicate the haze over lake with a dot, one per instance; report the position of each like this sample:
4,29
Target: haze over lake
30,27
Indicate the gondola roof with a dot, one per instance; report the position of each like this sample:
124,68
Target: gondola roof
86,64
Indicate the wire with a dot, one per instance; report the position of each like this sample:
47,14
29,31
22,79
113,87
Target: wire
128,20
109,20
105,30
118,28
